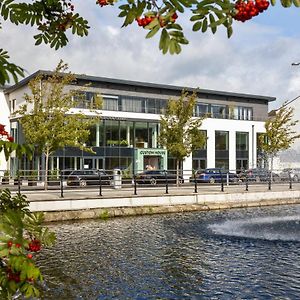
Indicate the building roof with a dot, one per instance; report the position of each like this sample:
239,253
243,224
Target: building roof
142,84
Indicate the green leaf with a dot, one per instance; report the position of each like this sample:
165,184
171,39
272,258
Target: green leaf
197,26
204,25
229,31
286,3
196,18
177,5
212,23
153,32
164,38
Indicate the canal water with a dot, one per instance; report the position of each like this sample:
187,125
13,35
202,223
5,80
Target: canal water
233,254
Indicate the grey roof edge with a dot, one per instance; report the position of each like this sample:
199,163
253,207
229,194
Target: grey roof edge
143,84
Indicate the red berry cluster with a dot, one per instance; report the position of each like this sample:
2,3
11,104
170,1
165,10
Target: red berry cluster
144,21
34,246
13,276
102,2
5,134
248,9
148,19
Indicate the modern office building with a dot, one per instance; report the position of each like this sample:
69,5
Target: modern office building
127,135
4,120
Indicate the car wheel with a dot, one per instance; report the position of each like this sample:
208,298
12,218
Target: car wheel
82,183
153,181
180,180
296,179
212,180
257,179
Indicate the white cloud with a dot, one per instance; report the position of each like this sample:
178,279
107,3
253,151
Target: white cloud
257,59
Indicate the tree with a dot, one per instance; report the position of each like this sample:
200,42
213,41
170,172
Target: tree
179,131
52,18
46,117
279,134
8,146
21,236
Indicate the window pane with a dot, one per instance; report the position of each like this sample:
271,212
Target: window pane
242,140
222,140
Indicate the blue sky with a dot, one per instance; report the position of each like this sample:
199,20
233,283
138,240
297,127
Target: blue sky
257,59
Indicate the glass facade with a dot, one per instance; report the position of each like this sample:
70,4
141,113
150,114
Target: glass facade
222,149
242,141
242,151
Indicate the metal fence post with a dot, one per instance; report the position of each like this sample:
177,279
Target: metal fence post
100,185
167,185
195,182
19,184
61,185
134,184
222,183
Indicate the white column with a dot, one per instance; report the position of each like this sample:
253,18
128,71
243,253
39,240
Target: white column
211,148
187,165
97,135
232,150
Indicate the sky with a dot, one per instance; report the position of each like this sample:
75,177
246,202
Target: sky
256,59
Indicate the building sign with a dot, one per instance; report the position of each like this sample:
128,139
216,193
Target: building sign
149,159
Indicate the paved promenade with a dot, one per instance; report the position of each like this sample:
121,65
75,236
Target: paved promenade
84,203
149,191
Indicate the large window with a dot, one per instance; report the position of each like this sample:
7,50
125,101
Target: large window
222,163
222,140
218,111
110,103
243,113
242,141
201,109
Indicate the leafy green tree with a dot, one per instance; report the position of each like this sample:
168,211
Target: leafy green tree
280,134
8,146
53,18
179,131
46,117
21,236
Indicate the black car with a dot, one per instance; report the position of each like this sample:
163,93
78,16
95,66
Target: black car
259,174
154,177
212,175
89,177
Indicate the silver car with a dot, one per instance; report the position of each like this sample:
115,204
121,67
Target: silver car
294,173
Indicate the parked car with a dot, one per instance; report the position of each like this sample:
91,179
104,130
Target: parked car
212,175
258,175
88,177
294,173
154,177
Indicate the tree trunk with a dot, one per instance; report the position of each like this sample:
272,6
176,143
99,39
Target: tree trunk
46,170
271,169
177,172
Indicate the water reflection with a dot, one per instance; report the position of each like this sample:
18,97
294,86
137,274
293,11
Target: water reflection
211,255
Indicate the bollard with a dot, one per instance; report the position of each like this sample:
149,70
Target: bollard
134,184
19,185
290,179
247,183
269,184
167,185
100,185
222,183
61,185
195,182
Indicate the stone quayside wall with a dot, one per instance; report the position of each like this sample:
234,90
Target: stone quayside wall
61,210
